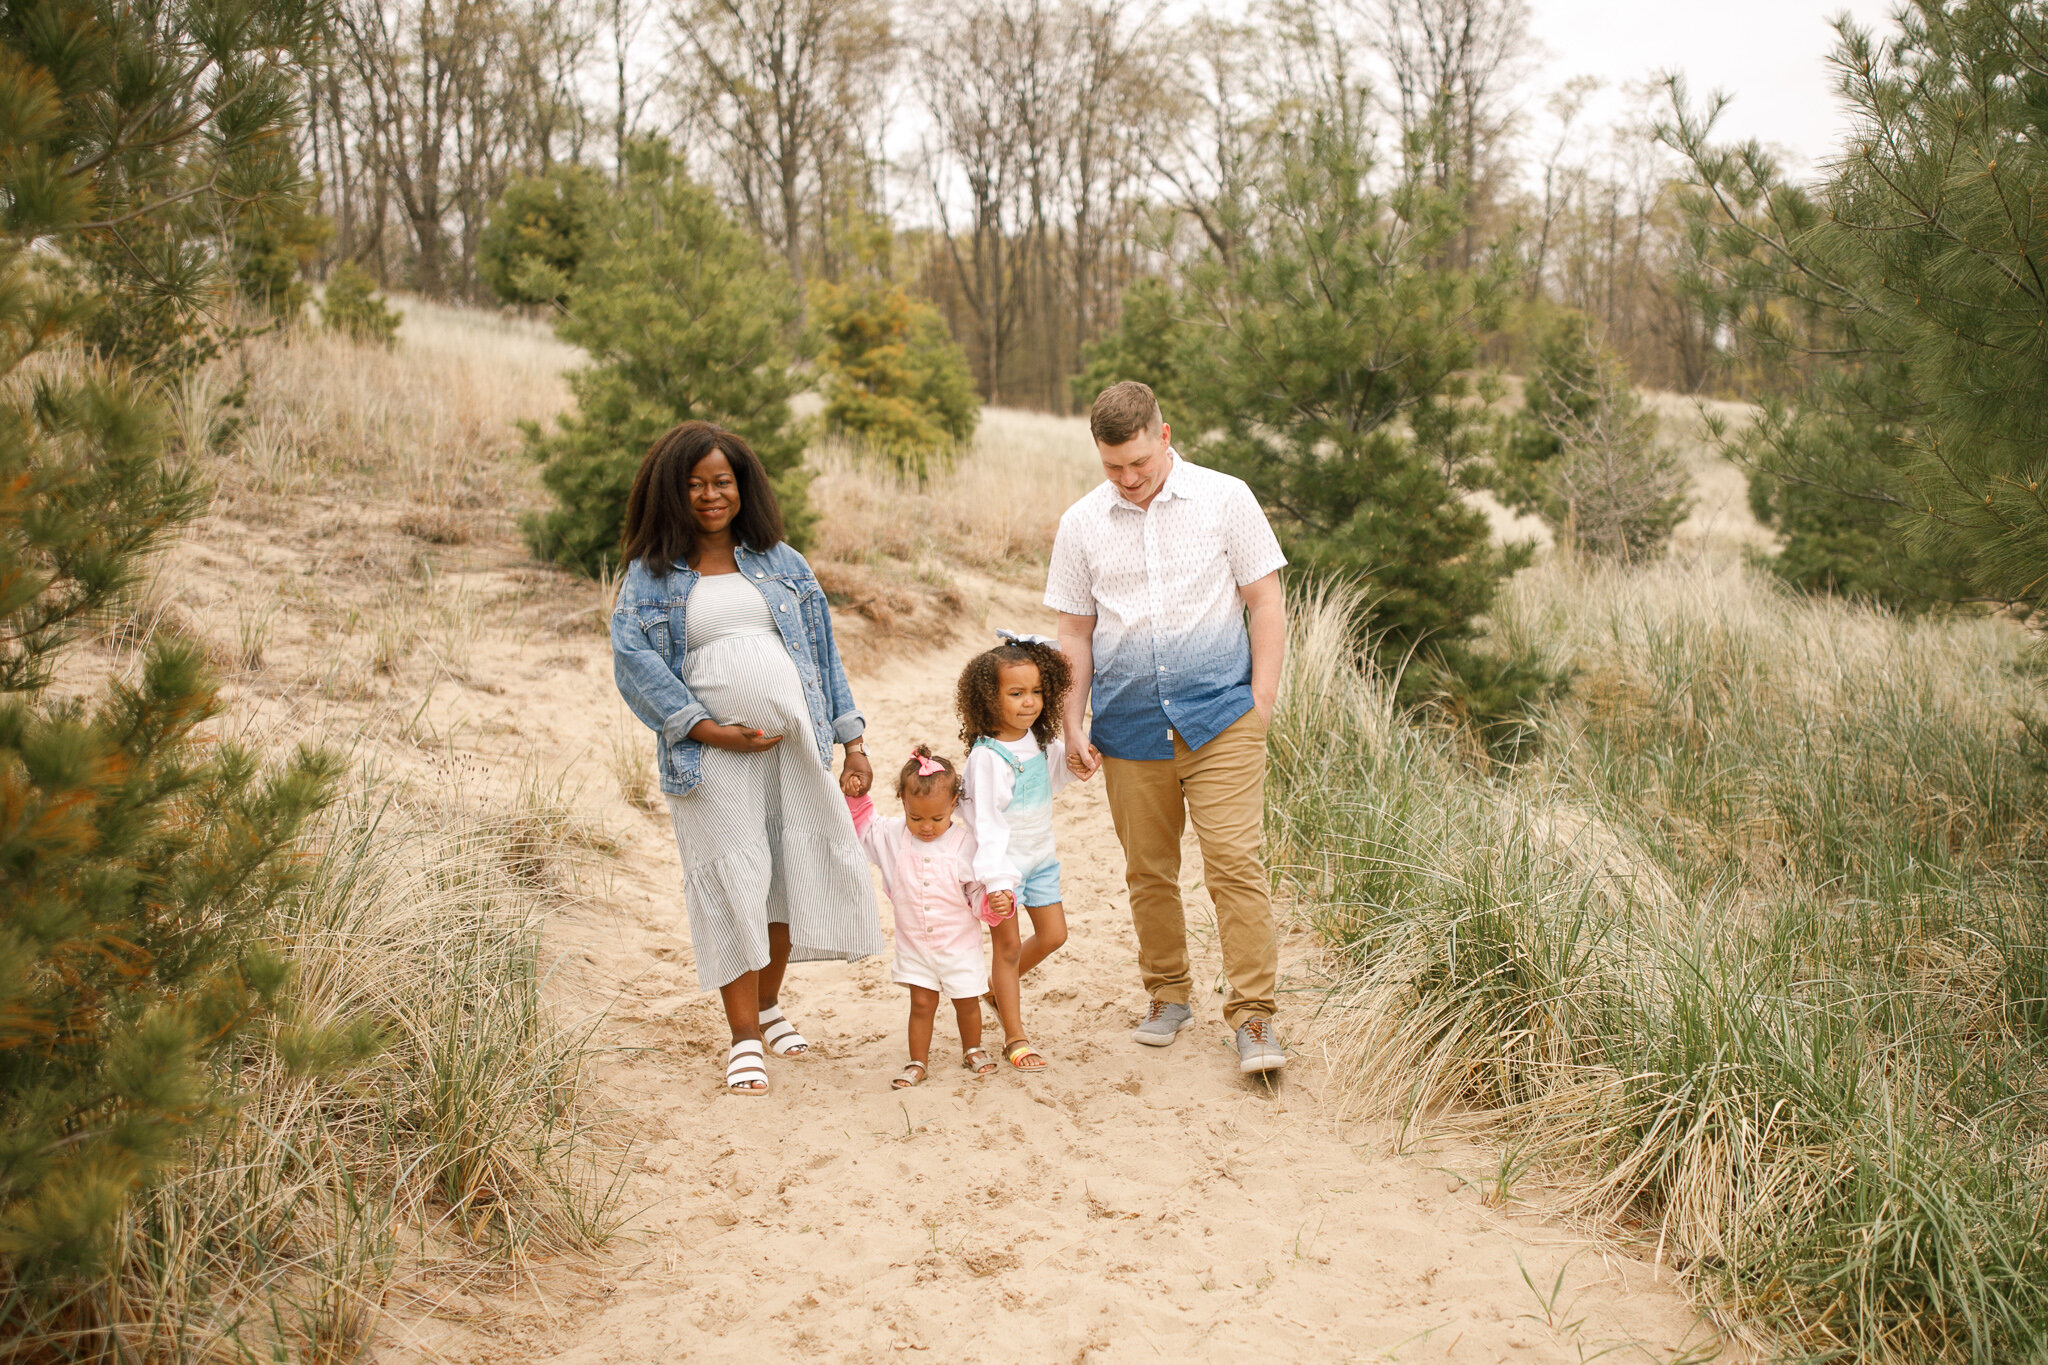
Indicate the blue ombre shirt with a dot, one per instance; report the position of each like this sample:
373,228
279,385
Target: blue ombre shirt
1171,650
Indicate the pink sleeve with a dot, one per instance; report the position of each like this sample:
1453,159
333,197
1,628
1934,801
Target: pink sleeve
862,809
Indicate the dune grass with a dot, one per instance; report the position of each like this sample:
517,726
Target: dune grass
455,1145
456,1141
1751,964
995,510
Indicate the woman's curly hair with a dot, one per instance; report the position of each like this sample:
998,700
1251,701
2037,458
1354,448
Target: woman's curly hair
979,707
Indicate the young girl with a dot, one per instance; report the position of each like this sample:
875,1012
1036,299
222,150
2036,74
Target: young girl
927,867
1009,703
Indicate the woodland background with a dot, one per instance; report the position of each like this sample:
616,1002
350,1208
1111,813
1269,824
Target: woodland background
1016,162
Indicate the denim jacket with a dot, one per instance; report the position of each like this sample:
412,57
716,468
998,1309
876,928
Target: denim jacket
648,648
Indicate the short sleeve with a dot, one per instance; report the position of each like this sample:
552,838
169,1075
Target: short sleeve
1069,587
1248,539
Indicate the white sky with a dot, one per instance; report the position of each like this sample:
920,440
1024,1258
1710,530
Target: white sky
1770,55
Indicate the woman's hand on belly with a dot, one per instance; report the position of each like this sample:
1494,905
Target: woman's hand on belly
736,739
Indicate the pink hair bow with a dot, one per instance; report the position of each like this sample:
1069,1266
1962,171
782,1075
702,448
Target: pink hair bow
926,766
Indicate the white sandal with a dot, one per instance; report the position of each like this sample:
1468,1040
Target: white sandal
744,1072
781,1035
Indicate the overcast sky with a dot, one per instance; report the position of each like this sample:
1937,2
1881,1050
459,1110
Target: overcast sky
1770,55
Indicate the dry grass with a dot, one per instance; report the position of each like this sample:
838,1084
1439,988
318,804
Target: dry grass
430,420
1749,964
460,1149
996,510
357,558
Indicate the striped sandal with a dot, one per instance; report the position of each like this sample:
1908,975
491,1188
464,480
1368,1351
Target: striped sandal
781,1035
1021,1056
744,1073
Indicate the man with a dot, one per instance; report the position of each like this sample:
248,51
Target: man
1154,575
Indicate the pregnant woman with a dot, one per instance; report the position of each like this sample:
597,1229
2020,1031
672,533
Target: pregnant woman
721,643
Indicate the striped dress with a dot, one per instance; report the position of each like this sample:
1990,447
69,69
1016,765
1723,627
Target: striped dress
766,838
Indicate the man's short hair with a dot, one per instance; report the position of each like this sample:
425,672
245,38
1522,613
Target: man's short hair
1123,412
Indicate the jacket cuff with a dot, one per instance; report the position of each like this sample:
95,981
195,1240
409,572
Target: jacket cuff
852,725
677,727
1002,881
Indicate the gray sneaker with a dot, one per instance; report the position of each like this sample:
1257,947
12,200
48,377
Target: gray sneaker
1162,1023
1257,1048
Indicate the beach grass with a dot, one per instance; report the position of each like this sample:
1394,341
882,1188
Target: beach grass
1748,967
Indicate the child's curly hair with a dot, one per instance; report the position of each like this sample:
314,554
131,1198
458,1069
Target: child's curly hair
911,782
978,705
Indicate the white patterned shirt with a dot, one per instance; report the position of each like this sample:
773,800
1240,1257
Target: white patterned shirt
1171,649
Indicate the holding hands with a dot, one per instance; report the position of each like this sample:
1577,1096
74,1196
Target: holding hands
1083,760
857,774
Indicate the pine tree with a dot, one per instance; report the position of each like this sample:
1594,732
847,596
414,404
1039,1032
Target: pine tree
684,316
138,863
1331,374
1906,295
350,305
1143,345
1583,453
539,234
896,383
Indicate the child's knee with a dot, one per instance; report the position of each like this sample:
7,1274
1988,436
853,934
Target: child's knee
1052,936
1008,951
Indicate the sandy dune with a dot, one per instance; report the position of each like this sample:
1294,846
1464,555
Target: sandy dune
1127,1204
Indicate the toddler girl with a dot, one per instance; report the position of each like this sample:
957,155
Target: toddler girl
1009,703
927,867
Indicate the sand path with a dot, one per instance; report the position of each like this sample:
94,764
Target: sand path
1128,1204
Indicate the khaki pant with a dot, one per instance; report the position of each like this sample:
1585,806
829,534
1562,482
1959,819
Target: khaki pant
1221,787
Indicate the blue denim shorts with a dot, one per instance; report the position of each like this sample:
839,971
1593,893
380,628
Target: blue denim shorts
1041,885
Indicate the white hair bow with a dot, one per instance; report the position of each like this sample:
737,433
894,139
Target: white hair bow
1014,638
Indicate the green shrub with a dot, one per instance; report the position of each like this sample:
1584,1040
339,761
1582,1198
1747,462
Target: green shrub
684,316
1896,295
273,247
896,384
141,861
350,305
1143,346
1583,453
539,233
1328,365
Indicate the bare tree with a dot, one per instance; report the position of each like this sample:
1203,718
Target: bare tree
1453,67
1609,243
1216,128
1118,117
1042,117
624,20
431,105
786,85
974,162
1562,178
1614,490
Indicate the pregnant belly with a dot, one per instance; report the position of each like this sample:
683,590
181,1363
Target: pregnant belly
750,680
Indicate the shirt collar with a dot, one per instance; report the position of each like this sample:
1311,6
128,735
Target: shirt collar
1167,489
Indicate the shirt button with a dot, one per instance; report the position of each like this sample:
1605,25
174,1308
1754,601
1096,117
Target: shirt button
785,606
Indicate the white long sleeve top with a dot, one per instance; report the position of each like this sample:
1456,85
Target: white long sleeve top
1008,804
